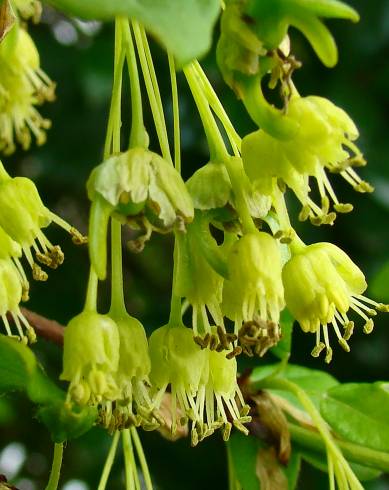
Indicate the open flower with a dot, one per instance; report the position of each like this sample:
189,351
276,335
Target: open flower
220,403
11,292
176,360
133,406
322,287
22,217
91,358
253,297
23,85
324,143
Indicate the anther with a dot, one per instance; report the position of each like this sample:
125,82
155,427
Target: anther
348,330
343,343
227,431
369,326
328,357
38,274
343,207
317,350
77,237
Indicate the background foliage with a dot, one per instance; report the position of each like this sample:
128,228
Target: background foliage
79,58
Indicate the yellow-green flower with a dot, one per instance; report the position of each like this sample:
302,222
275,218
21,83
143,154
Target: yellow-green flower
91,358
322,288
22,217
254,295
324,143
133,406
176,360
23,86
11,292
220,404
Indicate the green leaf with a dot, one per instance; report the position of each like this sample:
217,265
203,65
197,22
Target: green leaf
17,363
66,422
359,413
314,382
283,348
243,450
183,27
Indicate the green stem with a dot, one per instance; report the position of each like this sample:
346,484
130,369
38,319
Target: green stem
175,317
128,460
235,171
91,292
217,106
233,483
352,452
306,402
109,462
152,92
138,135
142,459
118,307
55,467
112,139
176,114
216,144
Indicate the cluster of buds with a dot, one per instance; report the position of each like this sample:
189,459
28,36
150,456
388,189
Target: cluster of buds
23,84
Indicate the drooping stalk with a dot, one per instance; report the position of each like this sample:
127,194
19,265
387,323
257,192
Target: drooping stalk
118,307
109,462
142,458
156,110
55,467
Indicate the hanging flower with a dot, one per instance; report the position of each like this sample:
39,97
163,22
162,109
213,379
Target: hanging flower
11,292
253,297
22,217
91,358
324,143
23,85
220,404
322,287
133,406
176,360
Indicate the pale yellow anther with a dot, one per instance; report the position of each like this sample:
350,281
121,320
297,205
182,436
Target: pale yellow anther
369,326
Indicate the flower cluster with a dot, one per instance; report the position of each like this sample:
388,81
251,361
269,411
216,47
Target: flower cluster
238,262
23,216
23,84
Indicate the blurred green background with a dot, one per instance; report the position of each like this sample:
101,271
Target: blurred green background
78,56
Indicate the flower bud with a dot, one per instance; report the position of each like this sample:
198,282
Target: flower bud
91,358
143,190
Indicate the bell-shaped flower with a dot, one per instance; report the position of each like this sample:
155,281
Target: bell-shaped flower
177,361
11,292
324,143
220,403
133,406
23,85
141,189
322,287
253,297
210,188
22,217
91,358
